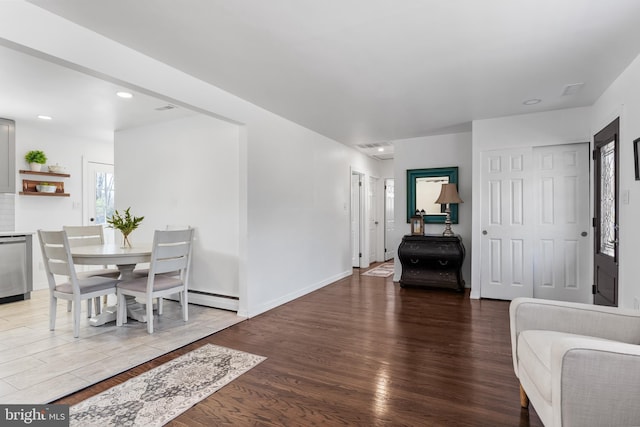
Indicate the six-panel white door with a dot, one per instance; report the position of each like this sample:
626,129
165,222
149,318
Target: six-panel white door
535,223
372,207
561,220
507,240
389,219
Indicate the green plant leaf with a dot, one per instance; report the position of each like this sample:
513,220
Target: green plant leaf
126,223
36,156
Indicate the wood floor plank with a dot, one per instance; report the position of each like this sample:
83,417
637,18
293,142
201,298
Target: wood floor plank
363,351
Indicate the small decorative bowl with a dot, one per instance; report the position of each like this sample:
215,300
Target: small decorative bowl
57,168
46,188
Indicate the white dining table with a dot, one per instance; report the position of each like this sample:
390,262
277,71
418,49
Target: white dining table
126,260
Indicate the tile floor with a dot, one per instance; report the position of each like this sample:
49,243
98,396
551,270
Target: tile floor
38,365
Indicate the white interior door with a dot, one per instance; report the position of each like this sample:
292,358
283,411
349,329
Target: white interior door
372,209
356,185
507,239
535,223
561,250
389,219
99,193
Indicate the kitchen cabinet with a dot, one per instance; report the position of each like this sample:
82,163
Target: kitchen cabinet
7,156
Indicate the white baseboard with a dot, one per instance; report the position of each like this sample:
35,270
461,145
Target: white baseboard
290,297
214,301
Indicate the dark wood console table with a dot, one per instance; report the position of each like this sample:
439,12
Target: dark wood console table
432,260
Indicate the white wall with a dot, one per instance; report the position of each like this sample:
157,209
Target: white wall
299,201
622,99
49,213
387,168
435,152
186,172
528,130
294,183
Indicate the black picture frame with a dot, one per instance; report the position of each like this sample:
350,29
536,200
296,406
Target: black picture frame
636,148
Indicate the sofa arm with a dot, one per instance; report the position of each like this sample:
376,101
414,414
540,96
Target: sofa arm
595,383
583,319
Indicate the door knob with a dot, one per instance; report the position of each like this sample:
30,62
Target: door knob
484,232
92,219
583,234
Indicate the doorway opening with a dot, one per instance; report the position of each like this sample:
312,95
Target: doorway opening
357,218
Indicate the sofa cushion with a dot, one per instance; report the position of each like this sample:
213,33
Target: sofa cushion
534,356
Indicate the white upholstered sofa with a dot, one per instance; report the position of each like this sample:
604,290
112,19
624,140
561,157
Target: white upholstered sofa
578,364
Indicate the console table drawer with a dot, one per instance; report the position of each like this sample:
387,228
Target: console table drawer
432,261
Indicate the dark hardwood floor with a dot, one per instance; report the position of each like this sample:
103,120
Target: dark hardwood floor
364,352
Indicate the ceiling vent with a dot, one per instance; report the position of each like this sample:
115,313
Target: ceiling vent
166,107
375,145
572,89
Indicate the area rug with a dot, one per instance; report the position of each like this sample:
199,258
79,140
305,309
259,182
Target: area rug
161,394
383,270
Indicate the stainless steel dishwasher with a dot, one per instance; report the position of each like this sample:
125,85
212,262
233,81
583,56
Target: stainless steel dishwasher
16,270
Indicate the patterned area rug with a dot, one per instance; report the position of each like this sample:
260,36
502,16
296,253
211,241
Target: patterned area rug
383,270
161,394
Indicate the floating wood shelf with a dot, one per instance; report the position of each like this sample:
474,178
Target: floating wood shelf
29,188
40,193
30,172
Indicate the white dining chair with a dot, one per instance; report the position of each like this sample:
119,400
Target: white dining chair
89,235
171,252
56,254
144,271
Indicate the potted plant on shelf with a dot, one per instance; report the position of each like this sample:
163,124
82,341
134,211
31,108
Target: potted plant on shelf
126,223
36,159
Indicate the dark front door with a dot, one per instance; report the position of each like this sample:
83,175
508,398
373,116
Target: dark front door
605,156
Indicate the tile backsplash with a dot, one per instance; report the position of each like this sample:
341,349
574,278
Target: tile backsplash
7,212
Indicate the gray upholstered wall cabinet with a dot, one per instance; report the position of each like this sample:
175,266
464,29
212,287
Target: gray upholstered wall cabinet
7,156
432,260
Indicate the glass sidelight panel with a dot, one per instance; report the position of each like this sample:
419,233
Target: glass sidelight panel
104,203
608,199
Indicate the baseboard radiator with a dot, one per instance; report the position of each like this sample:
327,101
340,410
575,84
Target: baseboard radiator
208,299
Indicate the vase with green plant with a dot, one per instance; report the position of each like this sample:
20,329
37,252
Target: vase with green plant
35,158
125,223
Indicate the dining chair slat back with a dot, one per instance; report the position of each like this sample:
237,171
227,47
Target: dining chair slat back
64,282
84,235
144,272
89,235
55,254
171,252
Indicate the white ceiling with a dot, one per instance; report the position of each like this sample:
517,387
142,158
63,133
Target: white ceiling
79,104
373,71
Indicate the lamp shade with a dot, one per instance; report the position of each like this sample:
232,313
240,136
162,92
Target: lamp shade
448,194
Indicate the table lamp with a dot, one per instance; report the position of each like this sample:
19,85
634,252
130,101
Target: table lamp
448,194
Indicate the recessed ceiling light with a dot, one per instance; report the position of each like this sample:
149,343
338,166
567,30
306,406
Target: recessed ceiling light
125,95
381,149
43,117
532,101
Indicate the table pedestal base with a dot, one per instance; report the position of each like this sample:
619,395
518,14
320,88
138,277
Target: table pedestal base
135,311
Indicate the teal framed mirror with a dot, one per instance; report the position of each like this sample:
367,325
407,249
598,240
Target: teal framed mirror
423,188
